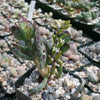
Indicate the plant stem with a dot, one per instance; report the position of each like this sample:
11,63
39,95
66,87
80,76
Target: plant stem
52,69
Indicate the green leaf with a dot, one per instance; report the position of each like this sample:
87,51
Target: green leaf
28,29
18,33
47,61
49,43
60,30
79,17
22,25
65,36
64,48
58,56
28,32
24,49
33,33
23,56
62,35
59,70
64,26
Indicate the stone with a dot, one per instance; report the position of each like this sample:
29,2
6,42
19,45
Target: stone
57,93
64,59
79,39
67,54
98,49
50,89
13,72
85,97
92,77
33,97
74,57
5,65
2,43
51,97
4,83
67,96
45,96
22,72
1,80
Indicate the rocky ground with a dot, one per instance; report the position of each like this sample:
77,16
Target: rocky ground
13,67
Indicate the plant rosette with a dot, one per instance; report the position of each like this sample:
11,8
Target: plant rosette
78,37
72,59
88,18
74,8
97,27
92,80
92,51
74,62
72,13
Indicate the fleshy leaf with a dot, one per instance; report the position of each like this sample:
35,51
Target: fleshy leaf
18,33
43,59
64,48
24,49
65,35
49,43
28,29
23,56
59,70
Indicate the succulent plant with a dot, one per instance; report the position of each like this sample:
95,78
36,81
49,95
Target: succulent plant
98,1
75,35
97,25
78,5
56,23
95,49
43,51
72,53
60,1
88,16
